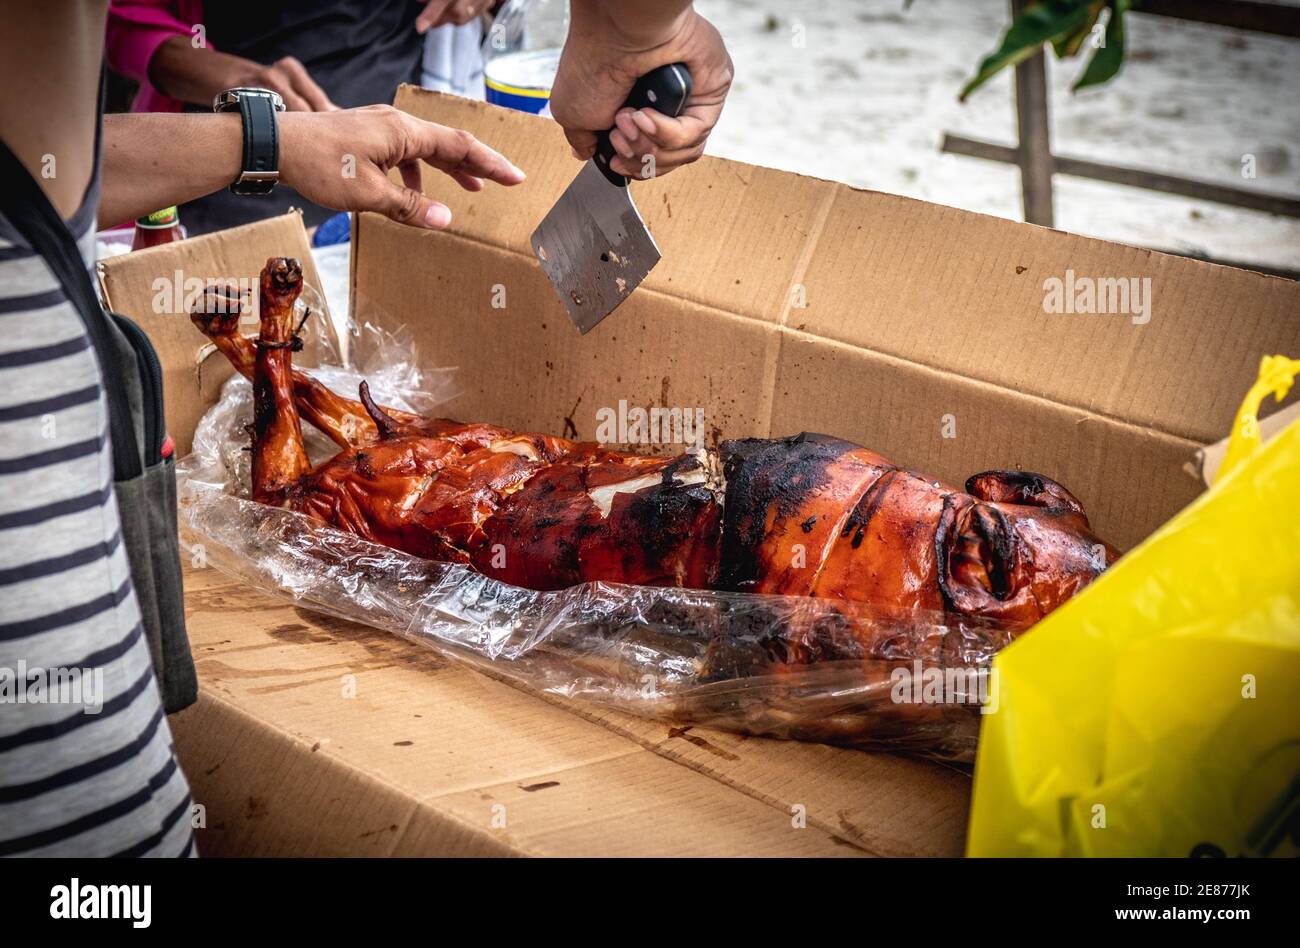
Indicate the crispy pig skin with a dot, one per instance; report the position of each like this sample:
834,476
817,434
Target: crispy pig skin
520,508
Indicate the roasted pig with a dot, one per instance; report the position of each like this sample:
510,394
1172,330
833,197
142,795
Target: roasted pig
808,516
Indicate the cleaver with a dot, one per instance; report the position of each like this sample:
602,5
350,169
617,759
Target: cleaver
593,245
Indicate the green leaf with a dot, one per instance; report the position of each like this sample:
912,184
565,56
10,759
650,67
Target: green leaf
1043,22
1069,45
1105,62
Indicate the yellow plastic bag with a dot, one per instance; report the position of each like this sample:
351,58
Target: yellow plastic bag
1158,713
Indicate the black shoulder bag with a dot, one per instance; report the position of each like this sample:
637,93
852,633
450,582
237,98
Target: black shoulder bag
144,475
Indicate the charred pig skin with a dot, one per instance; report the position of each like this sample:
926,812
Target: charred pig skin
814,515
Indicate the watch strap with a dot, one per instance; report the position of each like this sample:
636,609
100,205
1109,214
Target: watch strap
261,156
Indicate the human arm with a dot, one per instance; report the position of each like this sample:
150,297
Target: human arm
195,74
156,41
338,159
135,30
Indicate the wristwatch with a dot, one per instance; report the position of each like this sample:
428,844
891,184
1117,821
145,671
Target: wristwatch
261,163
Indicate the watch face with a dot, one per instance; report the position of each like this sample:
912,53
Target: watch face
228,100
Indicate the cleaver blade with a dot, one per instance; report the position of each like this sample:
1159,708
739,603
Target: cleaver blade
593,245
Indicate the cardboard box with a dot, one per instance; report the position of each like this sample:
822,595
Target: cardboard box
782,304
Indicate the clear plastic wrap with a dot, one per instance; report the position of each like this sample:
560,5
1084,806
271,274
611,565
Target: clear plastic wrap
779,666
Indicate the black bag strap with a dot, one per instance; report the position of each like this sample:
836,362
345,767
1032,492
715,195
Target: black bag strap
30,212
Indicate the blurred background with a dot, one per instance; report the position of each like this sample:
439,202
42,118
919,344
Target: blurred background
869,95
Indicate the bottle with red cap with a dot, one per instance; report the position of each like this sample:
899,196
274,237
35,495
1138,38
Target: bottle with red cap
158,228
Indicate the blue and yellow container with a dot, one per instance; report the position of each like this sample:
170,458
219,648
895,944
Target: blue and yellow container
522,52
521,80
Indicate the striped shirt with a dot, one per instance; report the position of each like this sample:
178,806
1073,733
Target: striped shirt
87,765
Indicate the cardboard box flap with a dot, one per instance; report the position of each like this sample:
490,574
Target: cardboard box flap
1163,342
154,288
757,220
1171,344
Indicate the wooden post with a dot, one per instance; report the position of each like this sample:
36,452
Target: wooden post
1254,199
1035,148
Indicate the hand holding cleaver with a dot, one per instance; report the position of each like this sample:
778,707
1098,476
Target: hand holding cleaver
592,244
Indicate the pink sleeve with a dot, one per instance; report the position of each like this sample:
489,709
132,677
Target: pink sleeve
136,28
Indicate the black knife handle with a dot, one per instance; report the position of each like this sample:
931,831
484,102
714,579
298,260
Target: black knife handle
665,90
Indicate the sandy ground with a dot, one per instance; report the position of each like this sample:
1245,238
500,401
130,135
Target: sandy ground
868,98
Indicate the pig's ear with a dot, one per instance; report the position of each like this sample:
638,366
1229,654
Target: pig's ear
1024,488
